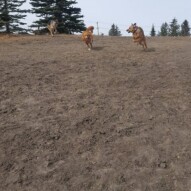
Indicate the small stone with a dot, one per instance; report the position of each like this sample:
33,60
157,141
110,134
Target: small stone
163,164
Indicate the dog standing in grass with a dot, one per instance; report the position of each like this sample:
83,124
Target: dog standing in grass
87,37
52,27
138,35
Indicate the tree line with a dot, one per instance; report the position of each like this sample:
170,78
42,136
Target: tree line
172,29
12,17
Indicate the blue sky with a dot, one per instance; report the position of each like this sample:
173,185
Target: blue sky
124,12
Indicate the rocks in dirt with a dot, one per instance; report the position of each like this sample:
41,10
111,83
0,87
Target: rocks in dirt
55,137
163,164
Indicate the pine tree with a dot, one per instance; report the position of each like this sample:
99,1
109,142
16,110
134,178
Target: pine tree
1,21
153,32
68,16
185,29
164,30
174,29
118,32
114,31
11,16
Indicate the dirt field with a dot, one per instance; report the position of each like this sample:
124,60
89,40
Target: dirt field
116,118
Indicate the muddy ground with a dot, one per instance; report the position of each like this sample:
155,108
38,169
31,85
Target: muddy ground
116,118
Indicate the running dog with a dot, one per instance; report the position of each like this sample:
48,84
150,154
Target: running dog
138,35
87,37
90,28
52,27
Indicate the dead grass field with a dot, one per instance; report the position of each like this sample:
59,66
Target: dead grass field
116,118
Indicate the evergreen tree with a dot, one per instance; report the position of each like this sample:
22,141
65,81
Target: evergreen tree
185,29
68,16
114,31
118,32
1,21
11,16
174,29
164,30
153,32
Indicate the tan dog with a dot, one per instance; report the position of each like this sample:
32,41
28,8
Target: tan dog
87,37
90,28
138,35
52,27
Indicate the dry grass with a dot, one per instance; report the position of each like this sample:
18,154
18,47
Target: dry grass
115,118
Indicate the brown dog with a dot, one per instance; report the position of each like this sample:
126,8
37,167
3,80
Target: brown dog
90,28
87,37
138,35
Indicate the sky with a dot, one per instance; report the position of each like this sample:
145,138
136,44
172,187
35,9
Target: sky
122,13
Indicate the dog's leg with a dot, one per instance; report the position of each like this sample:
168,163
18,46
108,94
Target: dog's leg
136,41
89,48
50,30
52,33
91,44
55,31
140,42
145,44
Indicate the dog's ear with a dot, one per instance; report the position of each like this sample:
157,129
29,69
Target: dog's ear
135,24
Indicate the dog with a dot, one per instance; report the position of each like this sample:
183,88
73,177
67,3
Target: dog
52,27
138,35
90,28
87,37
